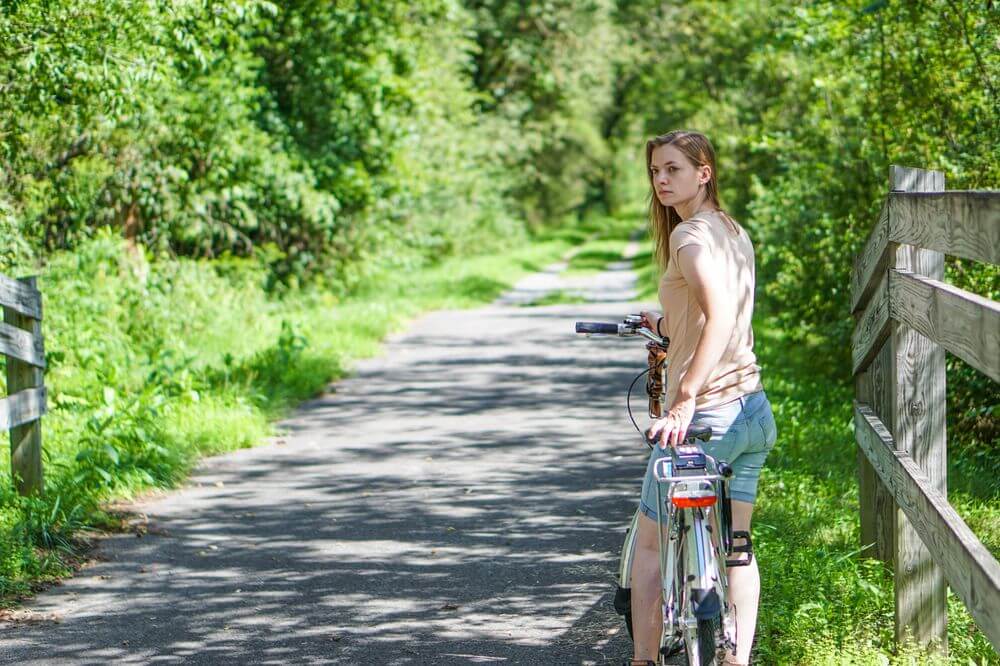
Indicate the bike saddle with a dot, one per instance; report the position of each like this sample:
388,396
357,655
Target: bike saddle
704,433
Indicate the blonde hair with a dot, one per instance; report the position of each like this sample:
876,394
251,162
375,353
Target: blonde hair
696,147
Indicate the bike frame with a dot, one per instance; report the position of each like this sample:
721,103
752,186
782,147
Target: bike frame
693,540
690,554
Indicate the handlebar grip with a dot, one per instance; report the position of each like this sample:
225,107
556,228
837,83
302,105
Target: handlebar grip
725,469
596,327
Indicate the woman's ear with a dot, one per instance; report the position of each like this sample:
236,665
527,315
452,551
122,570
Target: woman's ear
704,174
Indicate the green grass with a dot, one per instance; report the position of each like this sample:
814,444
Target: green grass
821,599
595,256
153,365
821,602
557,297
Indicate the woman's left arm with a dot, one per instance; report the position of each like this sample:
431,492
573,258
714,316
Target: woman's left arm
702,275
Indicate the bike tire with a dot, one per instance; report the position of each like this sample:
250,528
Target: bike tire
707,646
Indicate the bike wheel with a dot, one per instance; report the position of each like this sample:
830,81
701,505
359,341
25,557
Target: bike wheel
707,645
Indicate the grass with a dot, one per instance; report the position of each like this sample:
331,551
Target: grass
556,297
821,601
605,245
821,597
595,256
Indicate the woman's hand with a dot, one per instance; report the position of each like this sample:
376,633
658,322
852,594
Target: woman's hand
651,320
672,428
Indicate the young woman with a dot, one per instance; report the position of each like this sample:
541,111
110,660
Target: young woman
706,292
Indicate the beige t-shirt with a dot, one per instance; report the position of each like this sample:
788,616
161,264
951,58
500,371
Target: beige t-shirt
732,252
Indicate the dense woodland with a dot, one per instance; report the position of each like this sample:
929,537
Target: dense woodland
327,142
331,138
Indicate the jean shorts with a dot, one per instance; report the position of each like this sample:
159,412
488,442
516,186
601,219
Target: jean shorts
743,433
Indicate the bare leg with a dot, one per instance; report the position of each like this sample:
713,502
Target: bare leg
647,597
744,590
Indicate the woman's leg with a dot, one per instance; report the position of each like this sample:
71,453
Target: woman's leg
647,623
744,590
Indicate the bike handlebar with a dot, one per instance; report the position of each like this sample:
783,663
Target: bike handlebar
631,326
598,327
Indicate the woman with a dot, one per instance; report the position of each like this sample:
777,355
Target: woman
713,379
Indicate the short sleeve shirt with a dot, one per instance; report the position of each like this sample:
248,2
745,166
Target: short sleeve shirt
737,372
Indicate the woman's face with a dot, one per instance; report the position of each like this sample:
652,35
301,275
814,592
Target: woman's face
675,180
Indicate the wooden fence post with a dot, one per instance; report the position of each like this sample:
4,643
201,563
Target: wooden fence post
915,416
906,318
25,439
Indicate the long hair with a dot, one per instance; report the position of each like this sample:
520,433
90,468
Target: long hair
663,219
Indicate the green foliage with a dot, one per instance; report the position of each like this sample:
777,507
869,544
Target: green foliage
807,106
340,135
324,154
547,66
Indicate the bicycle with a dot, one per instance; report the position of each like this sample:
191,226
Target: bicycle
697,615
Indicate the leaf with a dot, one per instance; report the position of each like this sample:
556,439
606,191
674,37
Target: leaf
808,608
111,452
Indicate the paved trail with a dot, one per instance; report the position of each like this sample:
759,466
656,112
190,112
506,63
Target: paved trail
460,499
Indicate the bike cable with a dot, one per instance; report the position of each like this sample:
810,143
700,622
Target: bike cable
628,405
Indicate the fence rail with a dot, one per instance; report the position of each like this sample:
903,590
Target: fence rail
20,412
906,317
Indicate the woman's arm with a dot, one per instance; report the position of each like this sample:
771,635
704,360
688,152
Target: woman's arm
654,322
696,265
702,276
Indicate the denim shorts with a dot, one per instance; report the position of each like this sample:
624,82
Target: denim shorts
743,433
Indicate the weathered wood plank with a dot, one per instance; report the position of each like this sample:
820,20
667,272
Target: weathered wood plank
867,482
965,224
26,439
872,352
21,344
872,327
878,508
871,261
911,179
18,296
22,407
972,572
965,324
918,426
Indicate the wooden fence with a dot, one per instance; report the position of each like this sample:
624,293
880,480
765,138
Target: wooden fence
21,343
906,318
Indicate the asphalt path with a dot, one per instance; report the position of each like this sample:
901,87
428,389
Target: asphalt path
459,499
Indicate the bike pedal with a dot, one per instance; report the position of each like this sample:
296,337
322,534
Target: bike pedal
747,548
